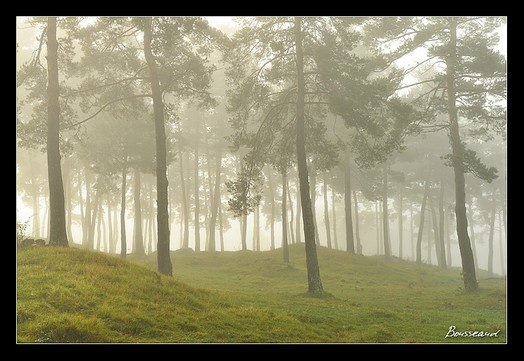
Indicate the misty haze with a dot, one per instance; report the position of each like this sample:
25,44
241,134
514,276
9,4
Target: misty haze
261,179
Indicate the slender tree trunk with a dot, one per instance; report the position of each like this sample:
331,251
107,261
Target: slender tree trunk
501,245
466,253
123,241
220,226
197,189
35,194
104,228
421,227
334,216
100,222
87,213
411,229
350,245
448,238
428,237
441,225
151,219
115,229
138,237
291,213
215,203
109,226
436,235
357,227
272,216
67,193
400,225
257,229
472,232
326,214
163,257
385,216
377,222
45,224
285,247
313,195
185,202
491,233
92,227
57,221
298,226
82,216
313,271
243,225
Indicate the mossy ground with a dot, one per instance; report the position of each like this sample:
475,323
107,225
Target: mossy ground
72,295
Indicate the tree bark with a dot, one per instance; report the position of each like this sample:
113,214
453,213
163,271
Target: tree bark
326,214
138,237
185,206
272,216
197,189
215,203
313,271
57,221
334,216
123,240
163,256
400,225
385,216
491,233
350,243
466,253
441,225
421,227
285,247
357,227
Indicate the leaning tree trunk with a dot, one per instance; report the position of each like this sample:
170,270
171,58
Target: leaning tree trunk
163,257
421,227
285,247
350,245
57,219
123,240
138,237
466,253
313,271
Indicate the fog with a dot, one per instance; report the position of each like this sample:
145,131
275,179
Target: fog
367,135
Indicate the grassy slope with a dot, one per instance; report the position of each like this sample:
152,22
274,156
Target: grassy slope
70,295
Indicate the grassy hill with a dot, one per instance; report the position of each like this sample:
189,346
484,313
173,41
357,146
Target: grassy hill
72,295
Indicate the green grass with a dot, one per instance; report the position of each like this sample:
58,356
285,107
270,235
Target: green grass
71,295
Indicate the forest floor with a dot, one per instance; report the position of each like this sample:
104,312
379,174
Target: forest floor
72,295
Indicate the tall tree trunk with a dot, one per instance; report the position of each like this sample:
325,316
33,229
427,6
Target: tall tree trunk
385,216
57,221
92,227
334,216
466,253
35,195
81,202
491,233
116,234
197,189
151,219
123,241
448,238
313,195
68,184
441,225
87,213
163,257
243,231
436,235
313,271
215,203
428,237
220,226
272,215
421,227
109,226
357,227
298,226
350,244
291,213
472,232
501,246
326,214
138,237
285,247
185,202
400,226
